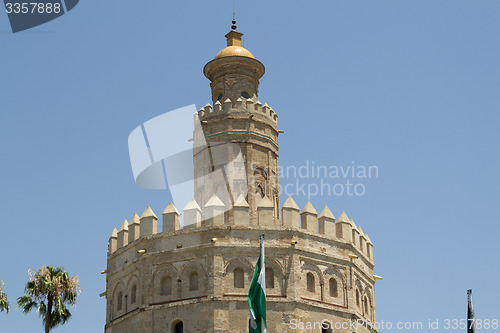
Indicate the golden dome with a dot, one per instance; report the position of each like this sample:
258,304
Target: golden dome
234,51
234,47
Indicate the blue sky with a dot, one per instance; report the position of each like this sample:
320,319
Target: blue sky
409,86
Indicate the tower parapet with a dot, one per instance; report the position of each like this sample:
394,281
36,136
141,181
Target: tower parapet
341,230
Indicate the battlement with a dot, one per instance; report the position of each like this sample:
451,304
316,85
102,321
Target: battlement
342,229
241,105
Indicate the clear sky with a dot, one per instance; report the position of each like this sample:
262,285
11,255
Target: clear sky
411,87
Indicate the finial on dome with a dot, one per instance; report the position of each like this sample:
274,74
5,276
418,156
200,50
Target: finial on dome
233,27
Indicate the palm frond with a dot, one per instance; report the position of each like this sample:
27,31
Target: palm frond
50,287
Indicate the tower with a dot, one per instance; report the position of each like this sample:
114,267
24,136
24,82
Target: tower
241,135
319,268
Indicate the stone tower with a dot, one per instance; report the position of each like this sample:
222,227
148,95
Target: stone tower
319,269
241,135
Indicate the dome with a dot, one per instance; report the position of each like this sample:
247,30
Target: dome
234,51
234,47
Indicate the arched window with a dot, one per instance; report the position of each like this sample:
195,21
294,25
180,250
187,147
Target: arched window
239,278
133,297
119,303
357,298
310,282
333,288
269,278
193,281
260,191
260,178
179,327
366,305
166,286
325,327
244,94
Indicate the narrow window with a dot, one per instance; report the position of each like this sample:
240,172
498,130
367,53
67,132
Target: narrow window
260,191
239,278
179,327
310,282
166,286
357,298
269,278
133,297
119,303
333,288
193,281
366,305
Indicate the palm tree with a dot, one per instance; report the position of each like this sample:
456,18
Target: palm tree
4,304
50,289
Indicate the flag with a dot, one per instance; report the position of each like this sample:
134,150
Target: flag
257,294
471,324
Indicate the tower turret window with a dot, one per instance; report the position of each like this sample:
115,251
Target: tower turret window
244,94
357,298
219,98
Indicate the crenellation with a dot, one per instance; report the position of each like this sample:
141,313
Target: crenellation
134,231
208,108
250,105
113,241
290,213
241,105
192,215
149,223
258,106
355,233
343,228
309,218
326,221
362,240
226,107
213,214
214,211
171,218
265,212
369,247
241,210
122,239
217,106
265,109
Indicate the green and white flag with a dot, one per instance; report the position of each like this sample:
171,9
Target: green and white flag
257,295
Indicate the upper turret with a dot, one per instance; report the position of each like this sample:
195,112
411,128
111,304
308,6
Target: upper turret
234,72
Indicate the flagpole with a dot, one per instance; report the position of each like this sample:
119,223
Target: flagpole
257,295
